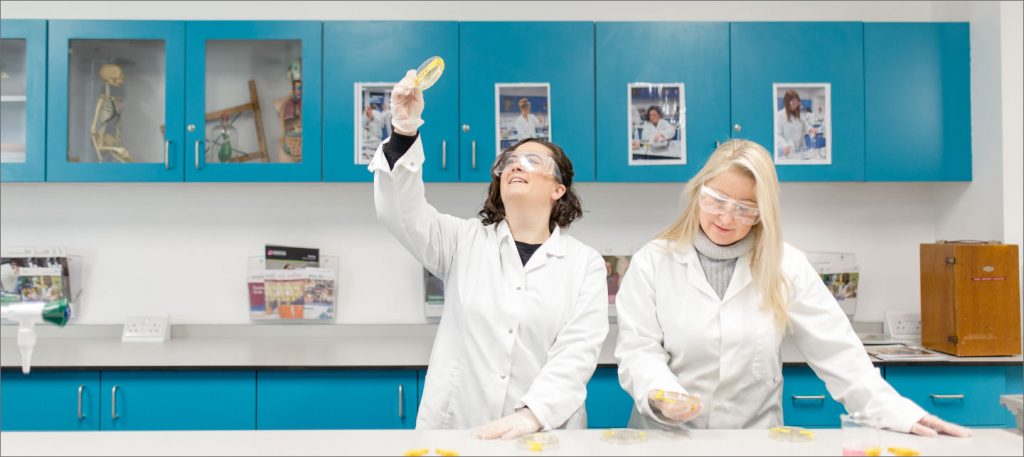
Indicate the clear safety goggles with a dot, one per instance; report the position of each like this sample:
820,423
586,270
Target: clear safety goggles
714,202
529,161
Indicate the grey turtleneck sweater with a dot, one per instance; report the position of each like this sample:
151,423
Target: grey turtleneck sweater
719,262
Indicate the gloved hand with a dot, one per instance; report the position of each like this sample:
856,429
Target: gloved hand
512,426
930,426
406,105
674,406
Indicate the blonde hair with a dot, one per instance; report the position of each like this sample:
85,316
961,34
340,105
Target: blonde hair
753,160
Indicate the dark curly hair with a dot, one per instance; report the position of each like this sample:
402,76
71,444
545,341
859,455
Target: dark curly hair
566,210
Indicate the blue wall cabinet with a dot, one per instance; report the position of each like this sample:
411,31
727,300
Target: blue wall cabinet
557,54
233,66
362,61
178,400
630,54
797,53
115,102
50,401
918,100
23,101
805,400
608,406
337,399
966,395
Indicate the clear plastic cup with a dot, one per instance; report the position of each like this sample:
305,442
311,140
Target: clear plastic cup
860,434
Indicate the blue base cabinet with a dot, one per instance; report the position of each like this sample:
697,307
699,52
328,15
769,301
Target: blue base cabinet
178,400
50,401
337,399
965,395
608,406
805,400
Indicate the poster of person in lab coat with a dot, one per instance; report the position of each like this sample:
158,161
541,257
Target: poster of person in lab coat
373,118
657,124
522,110
803,123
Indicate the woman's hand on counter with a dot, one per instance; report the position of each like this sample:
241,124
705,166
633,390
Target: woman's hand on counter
931,425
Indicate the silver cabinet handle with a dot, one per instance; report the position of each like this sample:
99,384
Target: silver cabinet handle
401,401
947,397
444,154
737,128
80,389
197,154
167,155
808,397
473,157
113,403
718,144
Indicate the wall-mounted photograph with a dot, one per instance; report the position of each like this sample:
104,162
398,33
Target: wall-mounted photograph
803,123
522,110
657,123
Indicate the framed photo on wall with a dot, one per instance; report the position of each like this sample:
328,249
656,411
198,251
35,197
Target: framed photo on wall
657,123
522,110
802,123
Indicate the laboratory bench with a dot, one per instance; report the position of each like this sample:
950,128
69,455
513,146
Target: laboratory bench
397,442
295,377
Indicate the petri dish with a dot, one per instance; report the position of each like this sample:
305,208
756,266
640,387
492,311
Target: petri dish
624,436
674,397
791,434
537,442
429,72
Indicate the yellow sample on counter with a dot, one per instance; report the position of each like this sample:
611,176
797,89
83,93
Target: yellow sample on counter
535,446
873,451
903,451
446,452
416,452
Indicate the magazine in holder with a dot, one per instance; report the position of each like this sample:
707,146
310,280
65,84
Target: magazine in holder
839,272
300,295
40,274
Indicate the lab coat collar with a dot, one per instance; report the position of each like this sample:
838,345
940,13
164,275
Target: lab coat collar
741,277
686,254
553,246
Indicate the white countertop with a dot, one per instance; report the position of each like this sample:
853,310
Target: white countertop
241,346
397,442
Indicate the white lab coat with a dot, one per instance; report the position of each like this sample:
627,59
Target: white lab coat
527,127
665,128
790,131
510,335
676,334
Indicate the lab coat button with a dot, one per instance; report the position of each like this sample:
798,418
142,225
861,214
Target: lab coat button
509,331
519,287
502,376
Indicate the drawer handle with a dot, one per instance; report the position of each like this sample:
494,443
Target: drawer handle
167,155
473,155
809,397
947,397
444,154
80,389
113,403
401,401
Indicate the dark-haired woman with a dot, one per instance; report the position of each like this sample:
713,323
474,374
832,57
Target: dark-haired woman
526,306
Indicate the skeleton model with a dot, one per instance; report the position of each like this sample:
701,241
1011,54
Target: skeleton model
108,115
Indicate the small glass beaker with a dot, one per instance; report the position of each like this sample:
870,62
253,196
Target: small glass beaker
860,434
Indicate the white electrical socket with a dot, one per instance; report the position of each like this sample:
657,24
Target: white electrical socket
902,324
149,329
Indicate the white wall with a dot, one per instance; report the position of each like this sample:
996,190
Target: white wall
181,248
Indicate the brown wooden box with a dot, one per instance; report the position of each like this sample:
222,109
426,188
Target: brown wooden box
970,299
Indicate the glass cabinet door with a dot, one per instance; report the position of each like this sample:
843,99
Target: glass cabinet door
121,117
22,100
253,109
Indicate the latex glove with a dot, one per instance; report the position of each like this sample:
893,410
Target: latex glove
407,105
672,409
930,426
512,426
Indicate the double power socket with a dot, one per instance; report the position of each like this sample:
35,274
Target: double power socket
899,324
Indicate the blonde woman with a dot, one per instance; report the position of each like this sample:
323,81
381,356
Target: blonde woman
703,309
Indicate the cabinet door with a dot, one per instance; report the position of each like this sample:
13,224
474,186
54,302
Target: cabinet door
50,400
638,66
965,395
805,400
23,100
178,400
1014,385
548,64
918,98
362,62
116,101
254,94
337,399
608,406
824,64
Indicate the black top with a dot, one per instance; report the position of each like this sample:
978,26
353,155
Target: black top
399,144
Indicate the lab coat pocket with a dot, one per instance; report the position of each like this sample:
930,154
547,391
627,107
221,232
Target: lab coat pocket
440,396
765,368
